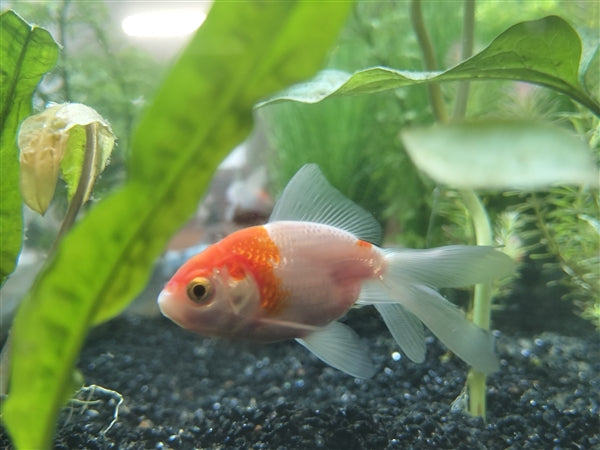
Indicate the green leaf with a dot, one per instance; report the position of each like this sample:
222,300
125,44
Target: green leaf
591,74
589,67
243,52
26,53
501,156
77,118
545,51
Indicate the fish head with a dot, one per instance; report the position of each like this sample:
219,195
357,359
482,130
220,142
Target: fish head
212,299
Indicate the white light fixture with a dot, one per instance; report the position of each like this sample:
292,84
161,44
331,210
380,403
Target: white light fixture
163,23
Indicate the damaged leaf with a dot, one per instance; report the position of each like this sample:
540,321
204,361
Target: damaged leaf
56,139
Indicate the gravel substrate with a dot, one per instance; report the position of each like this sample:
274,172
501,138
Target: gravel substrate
184,391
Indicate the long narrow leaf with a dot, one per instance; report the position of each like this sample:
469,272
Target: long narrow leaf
26,53
545,51
244,51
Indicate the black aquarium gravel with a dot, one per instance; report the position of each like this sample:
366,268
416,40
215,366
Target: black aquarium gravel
184,391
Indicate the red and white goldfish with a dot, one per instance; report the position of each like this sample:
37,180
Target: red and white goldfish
316,257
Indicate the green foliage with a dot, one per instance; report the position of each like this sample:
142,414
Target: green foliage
562,228
332,135
404,198
242,53
545,52
97,67
26,52
551,57
494,155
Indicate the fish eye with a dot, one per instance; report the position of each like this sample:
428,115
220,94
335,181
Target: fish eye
199,290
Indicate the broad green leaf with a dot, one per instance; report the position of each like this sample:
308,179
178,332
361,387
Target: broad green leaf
243,52
56,138
545,51
589,67
501,156
591,74
26,53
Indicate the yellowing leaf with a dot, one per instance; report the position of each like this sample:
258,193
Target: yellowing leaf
41,152
57,138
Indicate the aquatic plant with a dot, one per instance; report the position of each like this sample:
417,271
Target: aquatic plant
497,154
561,228
96,67
202,110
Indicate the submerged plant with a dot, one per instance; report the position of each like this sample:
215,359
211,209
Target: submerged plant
562,229
492,155
202,110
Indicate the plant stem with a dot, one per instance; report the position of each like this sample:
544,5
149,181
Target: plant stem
435,92
476,381
482,299
62,36
5,365
91,143
462,94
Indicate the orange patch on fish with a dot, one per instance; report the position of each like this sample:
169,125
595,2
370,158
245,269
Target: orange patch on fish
254,246
364,244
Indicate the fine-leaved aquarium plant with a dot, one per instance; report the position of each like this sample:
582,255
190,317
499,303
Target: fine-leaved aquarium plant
492,154
201,111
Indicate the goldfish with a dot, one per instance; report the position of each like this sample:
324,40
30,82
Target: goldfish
319,255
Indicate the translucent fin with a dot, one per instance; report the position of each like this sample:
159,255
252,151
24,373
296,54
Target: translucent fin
288,325
451,266
472,344
340,347
405,327
309,197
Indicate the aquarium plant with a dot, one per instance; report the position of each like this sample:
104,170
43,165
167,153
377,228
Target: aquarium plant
201,111
493,155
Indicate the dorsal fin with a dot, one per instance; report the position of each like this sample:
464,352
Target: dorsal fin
309,197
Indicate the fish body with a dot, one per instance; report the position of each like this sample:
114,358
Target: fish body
316,258
279,281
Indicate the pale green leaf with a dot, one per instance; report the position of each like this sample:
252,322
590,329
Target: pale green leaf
501,156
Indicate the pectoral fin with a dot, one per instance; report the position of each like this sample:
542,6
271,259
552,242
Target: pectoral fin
340,347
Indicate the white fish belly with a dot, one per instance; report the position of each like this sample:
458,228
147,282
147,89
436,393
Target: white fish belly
321,268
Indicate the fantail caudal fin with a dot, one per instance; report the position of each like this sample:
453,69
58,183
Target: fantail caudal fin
406,291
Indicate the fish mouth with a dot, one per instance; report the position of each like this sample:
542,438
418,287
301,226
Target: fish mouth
164,300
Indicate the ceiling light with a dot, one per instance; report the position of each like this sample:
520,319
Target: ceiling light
163,23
